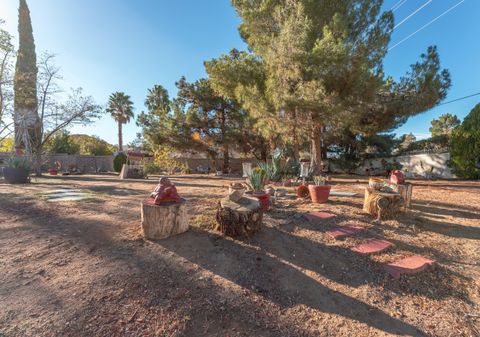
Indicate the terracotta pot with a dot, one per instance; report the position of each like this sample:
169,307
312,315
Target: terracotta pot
302,191
264,199
319,194
53,172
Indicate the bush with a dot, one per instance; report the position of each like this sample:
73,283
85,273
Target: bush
118,162
151,168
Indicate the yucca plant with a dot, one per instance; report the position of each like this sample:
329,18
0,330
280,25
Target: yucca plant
269,170
257,179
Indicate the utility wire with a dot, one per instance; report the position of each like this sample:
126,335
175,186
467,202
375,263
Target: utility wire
459,99
426,25
414,12
397,5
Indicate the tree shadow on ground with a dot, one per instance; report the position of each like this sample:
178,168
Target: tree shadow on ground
255,268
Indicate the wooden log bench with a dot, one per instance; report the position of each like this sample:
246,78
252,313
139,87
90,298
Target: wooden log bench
162,221
241,218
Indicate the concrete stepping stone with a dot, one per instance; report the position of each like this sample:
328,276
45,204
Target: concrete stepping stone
373,246
342,194
410,265
316,216
343,231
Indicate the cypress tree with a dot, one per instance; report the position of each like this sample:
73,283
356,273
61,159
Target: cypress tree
25,82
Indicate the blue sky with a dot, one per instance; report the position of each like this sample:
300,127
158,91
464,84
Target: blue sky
126,45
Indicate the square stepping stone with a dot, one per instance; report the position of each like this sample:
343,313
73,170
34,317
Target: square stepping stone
343,231
316,216
373,246
410,265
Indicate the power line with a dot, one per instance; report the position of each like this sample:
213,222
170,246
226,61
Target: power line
426,25
414,12
459,99
398,5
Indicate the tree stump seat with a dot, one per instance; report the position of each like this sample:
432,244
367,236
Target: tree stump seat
241,218
383,205
162,221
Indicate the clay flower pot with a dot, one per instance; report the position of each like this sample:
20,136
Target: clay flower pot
264,199
53,172
375,183
319,193
302,191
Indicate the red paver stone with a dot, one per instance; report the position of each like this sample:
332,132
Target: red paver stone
315,216
373,246
340,232
410,265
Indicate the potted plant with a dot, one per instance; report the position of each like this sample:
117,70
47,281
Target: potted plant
256,181
320,191
17,170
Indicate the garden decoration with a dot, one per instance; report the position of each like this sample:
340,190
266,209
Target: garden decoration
17,170
134,167
384,203
236,191
164,212
256,181
247,169
165,192
319,192
241,218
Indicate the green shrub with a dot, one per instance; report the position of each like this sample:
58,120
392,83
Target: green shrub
118,162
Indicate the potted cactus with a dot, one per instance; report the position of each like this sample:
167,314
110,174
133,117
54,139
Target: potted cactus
17,170
256,181
320,191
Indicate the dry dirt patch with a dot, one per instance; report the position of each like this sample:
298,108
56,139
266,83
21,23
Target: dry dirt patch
82,268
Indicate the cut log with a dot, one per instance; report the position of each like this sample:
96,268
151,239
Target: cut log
162,221
383,205
242,218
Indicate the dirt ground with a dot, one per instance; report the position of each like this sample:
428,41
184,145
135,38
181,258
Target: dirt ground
83,269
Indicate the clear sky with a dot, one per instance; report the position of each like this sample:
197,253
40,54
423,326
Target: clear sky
130,45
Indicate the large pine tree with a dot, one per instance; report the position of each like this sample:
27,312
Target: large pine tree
27,123
323,66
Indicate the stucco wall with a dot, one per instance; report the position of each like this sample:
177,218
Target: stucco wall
419,164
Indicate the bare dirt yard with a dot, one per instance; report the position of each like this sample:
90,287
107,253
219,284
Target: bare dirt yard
83,269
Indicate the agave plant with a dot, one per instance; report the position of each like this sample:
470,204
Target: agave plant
257,179
269,170
319,180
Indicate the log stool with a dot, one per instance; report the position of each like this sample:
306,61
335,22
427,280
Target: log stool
382,204
162,221
240,218
405,190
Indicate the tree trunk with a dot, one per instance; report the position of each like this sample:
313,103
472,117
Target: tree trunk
316,149
162,221
239,219
296,150
226,158
120,136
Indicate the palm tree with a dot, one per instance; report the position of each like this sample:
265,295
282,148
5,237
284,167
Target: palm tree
120,108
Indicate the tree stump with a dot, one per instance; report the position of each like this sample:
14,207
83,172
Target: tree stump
242,218
162,221
383,205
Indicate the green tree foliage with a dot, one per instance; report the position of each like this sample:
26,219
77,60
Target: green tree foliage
62,142
6,96
465,146
92,145
120,108
118,162
323,67
27,124
444,125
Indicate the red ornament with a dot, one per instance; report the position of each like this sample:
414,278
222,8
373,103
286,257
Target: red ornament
397,177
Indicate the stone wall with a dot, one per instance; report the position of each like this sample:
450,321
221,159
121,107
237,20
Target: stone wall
84,163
